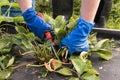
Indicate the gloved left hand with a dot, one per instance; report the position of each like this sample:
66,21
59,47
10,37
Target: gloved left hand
77,40
35,23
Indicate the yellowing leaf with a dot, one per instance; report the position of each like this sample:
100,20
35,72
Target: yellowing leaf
53,64
48,67
92,71
10,62
83,56
65,72
56,64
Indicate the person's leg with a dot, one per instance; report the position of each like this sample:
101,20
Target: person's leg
77,40
103,13
62,7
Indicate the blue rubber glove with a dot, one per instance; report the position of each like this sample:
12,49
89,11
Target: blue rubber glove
35,23
77,40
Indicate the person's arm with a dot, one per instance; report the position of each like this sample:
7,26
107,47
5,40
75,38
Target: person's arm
89,9
24,4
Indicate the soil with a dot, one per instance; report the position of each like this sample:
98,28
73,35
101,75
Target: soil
109,70
32,73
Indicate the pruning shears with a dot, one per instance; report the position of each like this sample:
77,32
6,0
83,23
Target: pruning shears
49,37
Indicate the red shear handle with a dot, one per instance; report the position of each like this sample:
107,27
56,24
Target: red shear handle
40,15
48,36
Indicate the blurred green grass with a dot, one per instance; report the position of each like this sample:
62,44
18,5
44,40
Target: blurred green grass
112,23
114,18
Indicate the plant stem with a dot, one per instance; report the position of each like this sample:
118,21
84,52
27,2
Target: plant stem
27,52
16,67
31,65
6,25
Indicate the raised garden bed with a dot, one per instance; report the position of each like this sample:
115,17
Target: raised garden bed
24,40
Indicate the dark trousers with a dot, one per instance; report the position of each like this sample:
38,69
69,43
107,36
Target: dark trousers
62,7
65,7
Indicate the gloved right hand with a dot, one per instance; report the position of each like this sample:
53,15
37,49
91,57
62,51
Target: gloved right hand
35,23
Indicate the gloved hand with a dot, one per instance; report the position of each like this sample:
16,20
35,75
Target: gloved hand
35,23
77,40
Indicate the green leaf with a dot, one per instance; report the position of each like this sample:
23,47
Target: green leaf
73,78
2,57
16,40
14,5
102,44
105,54
72,25
88,76
23,41
3,2
5,60
2,18
27,44
65,72
31,36
5,44
92,38
6,3
4,74
11,61
19,19
43,73
78,64
60,23
2,66
89,64
60,35
49,19
9,19
20,29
